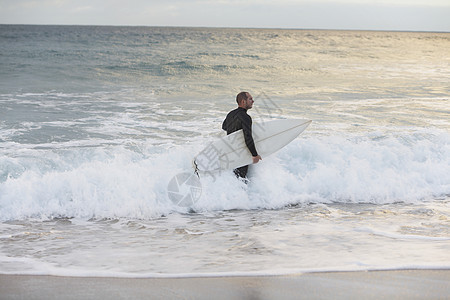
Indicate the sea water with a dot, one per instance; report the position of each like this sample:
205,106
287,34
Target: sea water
98,124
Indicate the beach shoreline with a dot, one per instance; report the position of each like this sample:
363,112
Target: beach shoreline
398,284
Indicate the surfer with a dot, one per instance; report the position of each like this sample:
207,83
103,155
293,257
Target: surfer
239,119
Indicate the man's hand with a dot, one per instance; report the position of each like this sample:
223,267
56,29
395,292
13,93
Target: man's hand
256,159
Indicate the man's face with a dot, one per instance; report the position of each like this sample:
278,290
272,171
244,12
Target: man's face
249,102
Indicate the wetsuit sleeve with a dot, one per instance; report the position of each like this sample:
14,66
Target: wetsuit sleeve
247,129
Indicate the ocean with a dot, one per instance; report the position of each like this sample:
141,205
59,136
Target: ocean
98,127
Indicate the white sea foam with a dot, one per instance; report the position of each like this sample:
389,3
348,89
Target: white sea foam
121,181
402,236
42,269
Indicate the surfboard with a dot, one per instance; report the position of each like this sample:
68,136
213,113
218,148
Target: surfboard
231,152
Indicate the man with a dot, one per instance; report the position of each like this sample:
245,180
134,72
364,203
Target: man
239,119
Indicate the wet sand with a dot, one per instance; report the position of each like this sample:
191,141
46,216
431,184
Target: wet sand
405,284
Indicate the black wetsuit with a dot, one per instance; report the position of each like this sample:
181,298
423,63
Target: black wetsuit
239,119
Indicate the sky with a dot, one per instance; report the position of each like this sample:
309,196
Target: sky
404,15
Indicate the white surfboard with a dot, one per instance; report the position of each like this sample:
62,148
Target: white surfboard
231,152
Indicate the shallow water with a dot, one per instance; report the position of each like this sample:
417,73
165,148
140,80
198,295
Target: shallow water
305,238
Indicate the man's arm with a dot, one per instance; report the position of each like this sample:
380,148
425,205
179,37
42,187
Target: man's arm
247,129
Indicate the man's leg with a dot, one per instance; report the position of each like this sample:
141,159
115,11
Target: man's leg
241,172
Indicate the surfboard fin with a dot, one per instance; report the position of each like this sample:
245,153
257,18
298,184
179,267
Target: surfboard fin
194,164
